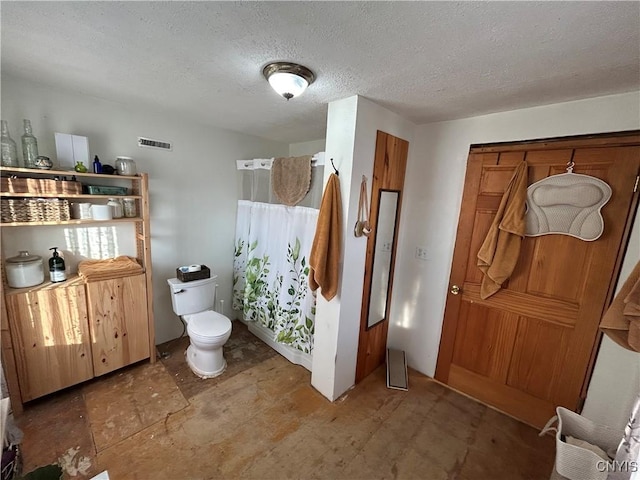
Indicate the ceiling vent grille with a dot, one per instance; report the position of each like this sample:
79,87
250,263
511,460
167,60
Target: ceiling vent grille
149,143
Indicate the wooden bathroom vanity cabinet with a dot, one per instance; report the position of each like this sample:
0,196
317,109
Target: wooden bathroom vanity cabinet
118,336
55,335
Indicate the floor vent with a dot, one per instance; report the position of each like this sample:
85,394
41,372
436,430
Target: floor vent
397,370
149,143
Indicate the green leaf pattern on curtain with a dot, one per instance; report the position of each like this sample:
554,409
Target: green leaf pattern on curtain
271,270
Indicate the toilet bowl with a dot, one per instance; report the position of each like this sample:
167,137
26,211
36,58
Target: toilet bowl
208,330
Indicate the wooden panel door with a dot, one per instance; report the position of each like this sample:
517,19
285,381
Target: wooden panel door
388,174
50,336
528,348
118,322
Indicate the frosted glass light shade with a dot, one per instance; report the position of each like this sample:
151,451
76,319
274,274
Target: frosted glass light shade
288,85
288,79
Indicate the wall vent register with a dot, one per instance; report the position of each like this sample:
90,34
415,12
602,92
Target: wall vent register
149,143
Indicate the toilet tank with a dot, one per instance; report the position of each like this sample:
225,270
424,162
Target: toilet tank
192,297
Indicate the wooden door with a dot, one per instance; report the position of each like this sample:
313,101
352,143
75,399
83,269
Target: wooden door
528,348
388,174
50,337
118,322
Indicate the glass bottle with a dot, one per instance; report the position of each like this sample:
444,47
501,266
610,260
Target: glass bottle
9,150
29,146
116,207
129,207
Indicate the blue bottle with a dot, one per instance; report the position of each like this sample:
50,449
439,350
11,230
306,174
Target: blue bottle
97,166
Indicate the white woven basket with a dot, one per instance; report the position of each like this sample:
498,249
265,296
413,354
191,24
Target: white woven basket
577,463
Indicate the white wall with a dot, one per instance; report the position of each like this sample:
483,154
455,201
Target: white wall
351,139
306,148
616,376
192,188
341,129
434,185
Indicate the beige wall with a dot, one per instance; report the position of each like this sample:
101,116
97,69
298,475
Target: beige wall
306,148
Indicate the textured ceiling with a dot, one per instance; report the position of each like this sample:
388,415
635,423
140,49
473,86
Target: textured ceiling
426,61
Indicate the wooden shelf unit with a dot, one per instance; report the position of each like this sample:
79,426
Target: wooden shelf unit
13,354
38,171
65,195
74,221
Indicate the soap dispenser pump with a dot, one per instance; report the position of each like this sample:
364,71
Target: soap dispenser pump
56,267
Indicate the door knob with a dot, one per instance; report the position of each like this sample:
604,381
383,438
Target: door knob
455,290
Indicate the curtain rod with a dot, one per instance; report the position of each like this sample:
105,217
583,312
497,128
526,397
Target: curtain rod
265,163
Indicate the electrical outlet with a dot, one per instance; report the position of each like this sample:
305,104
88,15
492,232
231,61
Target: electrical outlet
421,253
386,247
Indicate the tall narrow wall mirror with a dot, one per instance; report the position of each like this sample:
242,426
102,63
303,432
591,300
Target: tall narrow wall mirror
384,251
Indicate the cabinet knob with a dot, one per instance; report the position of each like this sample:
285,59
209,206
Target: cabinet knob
455,290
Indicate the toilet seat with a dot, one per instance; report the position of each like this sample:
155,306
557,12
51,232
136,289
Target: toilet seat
207,325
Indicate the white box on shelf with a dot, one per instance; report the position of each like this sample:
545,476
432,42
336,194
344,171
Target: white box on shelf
71,149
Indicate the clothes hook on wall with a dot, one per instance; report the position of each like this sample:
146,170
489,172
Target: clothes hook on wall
362,224
334,168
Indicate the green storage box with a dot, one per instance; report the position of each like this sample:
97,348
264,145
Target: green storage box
105,190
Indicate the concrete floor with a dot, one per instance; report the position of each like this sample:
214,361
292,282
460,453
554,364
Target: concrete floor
261,419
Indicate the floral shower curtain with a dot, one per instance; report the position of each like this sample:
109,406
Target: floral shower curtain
271,270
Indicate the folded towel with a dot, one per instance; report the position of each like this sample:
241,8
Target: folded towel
578,442
291,178
97,270
621,322
500,250
325,251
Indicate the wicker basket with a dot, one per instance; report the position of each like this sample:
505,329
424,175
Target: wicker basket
203,273
578,463
39,186
34,210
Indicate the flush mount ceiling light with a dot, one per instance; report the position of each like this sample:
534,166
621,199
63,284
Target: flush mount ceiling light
288,79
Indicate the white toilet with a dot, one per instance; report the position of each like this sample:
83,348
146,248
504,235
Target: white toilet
208,330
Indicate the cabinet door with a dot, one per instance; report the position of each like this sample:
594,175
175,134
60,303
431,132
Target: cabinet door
50,337
118,322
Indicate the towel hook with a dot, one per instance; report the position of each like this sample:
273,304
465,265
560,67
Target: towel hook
334,168
570,165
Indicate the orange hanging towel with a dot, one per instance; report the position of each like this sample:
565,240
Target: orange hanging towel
622,320
499,253
325,251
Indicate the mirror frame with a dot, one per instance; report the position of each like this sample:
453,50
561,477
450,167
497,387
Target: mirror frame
391,259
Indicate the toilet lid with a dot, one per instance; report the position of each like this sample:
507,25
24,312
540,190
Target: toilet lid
208,324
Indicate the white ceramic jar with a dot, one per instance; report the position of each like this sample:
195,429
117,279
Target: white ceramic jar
81,211
101,212
24,270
